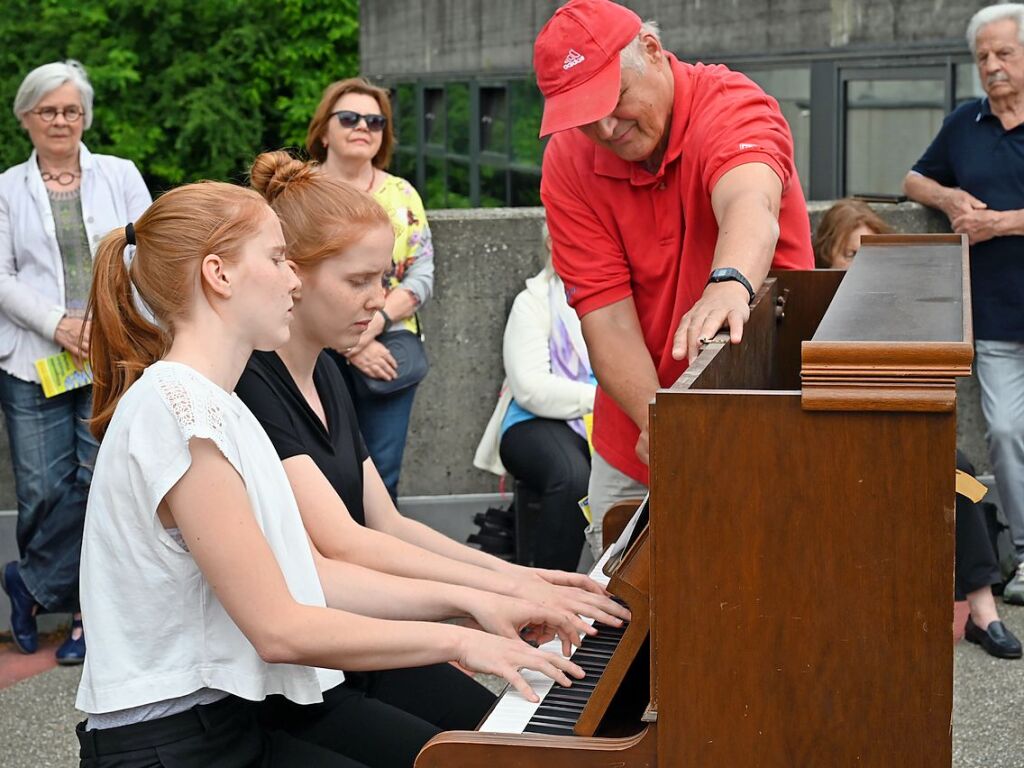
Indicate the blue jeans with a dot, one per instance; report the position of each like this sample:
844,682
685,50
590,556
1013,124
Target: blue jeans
384,423
53,454
1000,366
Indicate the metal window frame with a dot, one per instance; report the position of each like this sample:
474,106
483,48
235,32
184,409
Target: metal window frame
830,71
860,72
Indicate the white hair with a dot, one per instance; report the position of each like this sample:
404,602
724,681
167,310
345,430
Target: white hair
632,56
984,17
41,80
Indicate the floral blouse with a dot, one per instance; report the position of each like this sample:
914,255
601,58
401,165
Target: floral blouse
413,257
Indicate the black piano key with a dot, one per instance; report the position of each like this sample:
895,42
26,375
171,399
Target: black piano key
568,694
566,710
593,652
549,730
584,684
571,709
554,719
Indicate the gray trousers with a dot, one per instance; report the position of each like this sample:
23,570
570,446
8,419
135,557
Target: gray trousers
607,486
1000,366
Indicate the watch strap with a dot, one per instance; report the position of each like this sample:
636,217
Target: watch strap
731,274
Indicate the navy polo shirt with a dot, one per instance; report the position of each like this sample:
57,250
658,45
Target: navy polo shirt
975,153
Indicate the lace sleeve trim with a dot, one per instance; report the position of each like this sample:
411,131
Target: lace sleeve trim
196,412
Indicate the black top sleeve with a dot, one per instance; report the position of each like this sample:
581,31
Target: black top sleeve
258,394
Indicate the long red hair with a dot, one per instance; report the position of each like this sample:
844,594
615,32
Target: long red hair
172,237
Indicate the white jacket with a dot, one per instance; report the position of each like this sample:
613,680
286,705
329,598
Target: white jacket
527,357
31,270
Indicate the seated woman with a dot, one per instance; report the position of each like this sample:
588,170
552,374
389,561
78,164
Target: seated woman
837,237
200,589
537,432
339,239
976,570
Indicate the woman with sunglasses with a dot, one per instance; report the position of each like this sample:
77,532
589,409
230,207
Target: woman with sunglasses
54,208
352,139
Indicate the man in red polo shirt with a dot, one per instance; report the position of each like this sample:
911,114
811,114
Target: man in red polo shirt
670,191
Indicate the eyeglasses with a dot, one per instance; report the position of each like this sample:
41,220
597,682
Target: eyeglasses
349,119
49,114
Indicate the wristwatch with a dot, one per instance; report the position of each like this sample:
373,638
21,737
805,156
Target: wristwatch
725,274
388,322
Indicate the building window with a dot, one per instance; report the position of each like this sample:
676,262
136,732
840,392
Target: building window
791,87
968,84
888,125
470,143
403,106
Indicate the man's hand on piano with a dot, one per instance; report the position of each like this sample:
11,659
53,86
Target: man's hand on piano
572,592
505,658
721,305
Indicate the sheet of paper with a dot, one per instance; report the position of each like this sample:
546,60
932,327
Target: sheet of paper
969,486
627,533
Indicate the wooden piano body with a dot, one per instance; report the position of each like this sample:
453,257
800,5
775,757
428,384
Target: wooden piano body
797,574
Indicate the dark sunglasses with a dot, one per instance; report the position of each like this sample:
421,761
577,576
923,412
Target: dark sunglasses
349,119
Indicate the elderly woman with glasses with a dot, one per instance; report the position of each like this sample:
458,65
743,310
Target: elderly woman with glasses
54,209
351,136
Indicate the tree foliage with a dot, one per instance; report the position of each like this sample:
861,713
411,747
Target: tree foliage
186,89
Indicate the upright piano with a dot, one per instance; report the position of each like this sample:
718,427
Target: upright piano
791,595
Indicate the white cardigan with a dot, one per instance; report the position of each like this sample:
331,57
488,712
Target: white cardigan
31,270
527,357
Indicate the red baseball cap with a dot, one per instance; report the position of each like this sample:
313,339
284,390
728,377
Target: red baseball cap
576,58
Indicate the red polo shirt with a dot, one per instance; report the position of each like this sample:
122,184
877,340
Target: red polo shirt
618,230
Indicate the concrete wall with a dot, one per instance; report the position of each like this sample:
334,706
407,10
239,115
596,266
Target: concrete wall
400,38
483,256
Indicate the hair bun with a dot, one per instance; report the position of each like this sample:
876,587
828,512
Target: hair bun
273,172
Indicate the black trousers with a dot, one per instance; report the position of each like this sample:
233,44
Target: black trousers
439,694
350,729
554,461
976,562
225,734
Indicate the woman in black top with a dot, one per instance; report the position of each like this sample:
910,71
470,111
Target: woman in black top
299,397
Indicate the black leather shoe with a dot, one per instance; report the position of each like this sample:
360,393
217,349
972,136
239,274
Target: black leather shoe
997,640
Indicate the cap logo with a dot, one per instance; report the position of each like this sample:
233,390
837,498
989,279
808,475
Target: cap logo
572,58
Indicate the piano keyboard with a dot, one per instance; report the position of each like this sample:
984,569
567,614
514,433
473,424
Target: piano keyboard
559,708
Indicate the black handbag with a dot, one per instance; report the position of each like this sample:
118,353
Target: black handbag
407,349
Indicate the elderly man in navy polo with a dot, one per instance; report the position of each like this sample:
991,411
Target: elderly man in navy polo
974,173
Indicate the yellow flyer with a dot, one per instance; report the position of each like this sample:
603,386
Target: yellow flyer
59,373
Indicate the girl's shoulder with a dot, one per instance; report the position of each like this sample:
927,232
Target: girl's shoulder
172,395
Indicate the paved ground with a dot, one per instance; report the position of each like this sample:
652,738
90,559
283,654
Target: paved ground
37,716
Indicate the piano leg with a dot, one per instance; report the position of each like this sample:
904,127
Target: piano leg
470,749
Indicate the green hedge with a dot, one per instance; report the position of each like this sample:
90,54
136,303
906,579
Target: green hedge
188,89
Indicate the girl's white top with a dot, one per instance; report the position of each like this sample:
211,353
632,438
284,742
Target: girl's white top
156,629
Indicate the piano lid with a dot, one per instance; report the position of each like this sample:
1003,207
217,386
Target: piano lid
905,290
898,331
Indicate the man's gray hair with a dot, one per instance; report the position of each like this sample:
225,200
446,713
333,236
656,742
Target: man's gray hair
632,55
41,80
984,17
